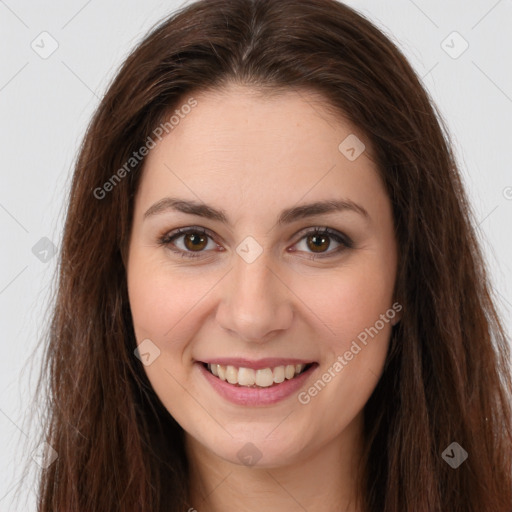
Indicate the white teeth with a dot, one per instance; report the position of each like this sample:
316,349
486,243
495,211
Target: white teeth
231,374
289,371
221,371
279,374
246,376
263,377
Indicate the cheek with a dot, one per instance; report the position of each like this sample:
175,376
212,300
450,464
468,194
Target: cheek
162,300
159,313
349,300
155,306
166,306
156,310
355,351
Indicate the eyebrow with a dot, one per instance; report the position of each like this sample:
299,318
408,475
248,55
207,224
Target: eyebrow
287,216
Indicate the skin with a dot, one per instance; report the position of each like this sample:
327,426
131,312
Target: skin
252,156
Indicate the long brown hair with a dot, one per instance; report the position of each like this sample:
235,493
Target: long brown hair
447,376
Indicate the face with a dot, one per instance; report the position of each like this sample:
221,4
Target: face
230,262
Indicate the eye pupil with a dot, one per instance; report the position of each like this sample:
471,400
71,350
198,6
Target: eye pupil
197,241
317,242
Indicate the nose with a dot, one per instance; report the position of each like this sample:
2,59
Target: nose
256,304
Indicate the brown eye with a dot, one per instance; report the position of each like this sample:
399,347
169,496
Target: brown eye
318,243
189,242
195,241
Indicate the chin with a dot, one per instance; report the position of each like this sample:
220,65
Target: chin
261,451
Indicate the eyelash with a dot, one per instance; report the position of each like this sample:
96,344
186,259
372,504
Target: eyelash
167,239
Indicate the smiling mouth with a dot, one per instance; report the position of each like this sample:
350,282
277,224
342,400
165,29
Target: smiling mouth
262,378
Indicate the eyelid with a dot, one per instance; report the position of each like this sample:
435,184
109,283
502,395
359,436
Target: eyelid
345,242
324,230
167,238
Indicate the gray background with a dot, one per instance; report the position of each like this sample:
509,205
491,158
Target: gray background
46,103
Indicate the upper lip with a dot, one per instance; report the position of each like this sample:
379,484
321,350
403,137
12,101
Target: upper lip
268,362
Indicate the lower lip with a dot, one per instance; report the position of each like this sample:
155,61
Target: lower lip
241,395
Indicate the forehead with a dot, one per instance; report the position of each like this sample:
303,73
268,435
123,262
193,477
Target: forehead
239,145
237,117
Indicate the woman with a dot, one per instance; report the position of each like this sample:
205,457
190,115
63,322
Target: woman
271,294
